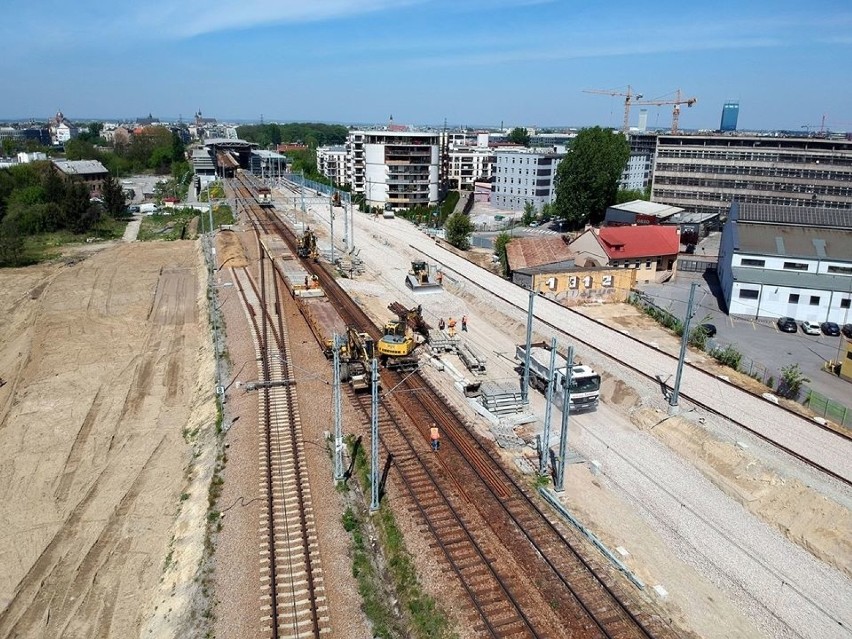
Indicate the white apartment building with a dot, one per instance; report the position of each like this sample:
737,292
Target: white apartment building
331,162
522,176
395,169
792,261
469,164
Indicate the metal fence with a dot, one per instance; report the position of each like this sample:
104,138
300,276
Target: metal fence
319,187
828,408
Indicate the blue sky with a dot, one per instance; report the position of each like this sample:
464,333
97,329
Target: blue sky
473,62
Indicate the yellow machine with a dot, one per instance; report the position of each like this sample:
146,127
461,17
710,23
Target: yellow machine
356,359
398,342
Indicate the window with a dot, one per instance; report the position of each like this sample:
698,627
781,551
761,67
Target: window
844,303
748,294
746,261
814,300
648,263
794,298
840,270
795,266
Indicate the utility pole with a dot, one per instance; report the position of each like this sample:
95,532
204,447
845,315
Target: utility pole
374,443
338,416
673,397
525,383
302,189
559,484
331,222
345,226
545,435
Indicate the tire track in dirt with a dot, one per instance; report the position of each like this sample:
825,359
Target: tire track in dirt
75,455
52,594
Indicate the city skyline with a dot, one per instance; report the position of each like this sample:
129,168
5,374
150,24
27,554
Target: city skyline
516,62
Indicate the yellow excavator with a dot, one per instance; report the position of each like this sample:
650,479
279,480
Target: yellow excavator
398,341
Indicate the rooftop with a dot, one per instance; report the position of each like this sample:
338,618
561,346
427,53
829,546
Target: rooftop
80,167
528,252
791,215
648,208
795,241
626,242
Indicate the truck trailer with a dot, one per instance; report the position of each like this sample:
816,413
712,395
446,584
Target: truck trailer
585,383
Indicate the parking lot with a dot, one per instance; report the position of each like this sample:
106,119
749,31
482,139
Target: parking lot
759,341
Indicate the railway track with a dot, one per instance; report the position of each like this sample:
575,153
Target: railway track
293,602
467,498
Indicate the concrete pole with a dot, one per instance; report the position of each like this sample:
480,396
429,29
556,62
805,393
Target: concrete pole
525,384
302,189
374,443
559,484
352,223
345,227
338,415
545,435
673,398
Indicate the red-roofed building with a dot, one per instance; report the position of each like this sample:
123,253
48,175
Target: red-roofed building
650,250
528,252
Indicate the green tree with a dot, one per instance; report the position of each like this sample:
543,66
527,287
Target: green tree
629,195
11,242
115,201
587,179
792,379
546,212
500,244
76,212
529,213
459,227
519,135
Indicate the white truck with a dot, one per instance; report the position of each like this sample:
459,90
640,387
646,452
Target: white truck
585,382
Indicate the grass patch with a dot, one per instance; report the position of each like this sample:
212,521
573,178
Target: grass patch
48,246
418,614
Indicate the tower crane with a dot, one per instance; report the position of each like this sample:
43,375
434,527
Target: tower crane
629,97
676,102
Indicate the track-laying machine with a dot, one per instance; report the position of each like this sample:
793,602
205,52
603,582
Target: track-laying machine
397,344
308,245
356,357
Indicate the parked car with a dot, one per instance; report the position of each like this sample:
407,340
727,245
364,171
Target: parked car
810,328
846,329
787,325
830,328
709,329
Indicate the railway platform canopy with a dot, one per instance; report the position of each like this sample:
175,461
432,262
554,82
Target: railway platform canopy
228,155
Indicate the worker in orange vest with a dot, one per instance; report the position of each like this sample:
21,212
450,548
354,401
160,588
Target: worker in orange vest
435,438
451,325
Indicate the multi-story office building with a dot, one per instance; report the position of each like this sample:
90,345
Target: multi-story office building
706,173
730,113
331,162
522,176
395,169
787,261
639,171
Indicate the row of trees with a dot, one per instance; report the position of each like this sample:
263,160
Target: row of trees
311,135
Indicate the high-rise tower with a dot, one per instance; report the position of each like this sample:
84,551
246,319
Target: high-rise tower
730,112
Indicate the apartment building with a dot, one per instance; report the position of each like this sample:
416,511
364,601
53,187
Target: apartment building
793,261
522,176
395,169
469,164
707,173
331,162
639,171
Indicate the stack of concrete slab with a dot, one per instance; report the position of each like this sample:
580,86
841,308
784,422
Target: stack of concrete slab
502,398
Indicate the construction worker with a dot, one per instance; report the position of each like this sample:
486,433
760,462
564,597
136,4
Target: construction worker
435,438
441,324
306,282
464,323
452,327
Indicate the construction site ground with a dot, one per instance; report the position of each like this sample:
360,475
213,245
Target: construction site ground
107,442
108,446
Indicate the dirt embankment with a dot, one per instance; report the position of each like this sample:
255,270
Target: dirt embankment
105,365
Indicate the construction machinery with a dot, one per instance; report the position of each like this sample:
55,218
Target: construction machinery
308,245
629,97
399,339
678,100
356,358
423,278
